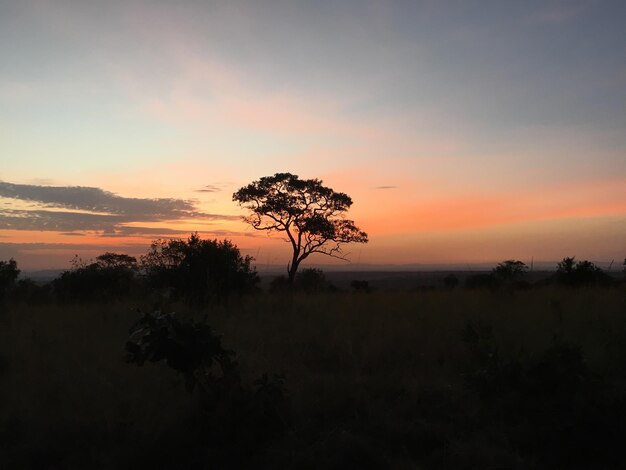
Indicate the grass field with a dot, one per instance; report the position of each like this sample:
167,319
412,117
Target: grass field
441,379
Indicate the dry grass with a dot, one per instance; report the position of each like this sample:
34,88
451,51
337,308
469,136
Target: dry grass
365,373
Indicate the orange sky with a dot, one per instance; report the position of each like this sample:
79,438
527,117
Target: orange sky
462,134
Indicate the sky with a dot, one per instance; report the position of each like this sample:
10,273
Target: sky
464,131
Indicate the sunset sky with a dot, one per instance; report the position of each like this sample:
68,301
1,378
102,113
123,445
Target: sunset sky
465,132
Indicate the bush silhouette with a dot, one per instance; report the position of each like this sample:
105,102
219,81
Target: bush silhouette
450,281
361,286
311,280
510,271
8,276
571,273
200,271
233,413
112,275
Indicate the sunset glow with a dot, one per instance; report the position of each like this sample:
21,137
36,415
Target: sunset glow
462,135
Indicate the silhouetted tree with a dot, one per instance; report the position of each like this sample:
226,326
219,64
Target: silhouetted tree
572,273
311,280
117,261
8,276
202,271
510,271
309,214
111,275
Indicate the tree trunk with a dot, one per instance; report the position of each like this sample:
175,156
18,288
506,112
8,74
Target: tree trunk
292,270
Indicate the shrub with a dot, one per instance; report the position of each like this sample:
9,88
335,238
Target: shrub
510,271
111,276
279,284
361,286
8,276
581,273
200,271
233,413
311,280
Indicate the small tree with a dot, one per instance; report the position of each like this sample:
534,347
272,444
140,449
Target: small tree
510,271
309,214
573,273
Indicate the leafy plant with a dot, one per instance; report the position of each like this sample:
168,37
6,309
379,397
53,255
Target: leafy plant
233,412
190,348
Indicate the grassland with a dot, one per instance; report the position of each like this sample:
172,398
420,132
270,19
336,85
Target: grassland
404,379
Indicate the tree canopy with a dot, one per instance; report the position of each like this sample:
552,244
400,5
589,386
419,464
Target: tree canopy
202,271
311,215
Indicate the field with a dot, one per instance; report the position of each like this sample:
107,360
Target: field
435,379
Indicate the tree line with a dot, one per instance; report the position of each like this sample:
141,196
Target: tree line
203,272
311,218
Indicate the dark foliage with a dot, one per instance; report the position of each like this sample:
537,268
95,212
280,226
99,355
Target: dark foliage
450,281
8,276
311,281
190,348
279,284
27,290
509,271
200,271
308,280
112,275
361,286
309,214
481,281
549,407
233,415
574,273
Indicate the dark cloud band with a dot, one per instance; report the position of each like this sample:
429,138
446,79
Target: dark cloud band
74,209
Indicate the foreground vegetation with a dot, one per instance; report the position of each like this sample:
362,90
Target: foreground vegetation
450,378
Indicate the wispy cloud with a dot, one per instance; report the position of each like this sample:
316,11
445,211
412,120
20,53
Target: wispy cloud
75,209
386,187
209,188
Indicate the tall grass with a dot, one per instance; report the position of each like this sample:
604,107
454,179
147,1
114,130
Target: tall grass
375,380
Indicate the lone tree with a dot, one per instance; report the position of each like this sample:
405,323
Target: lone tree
311,215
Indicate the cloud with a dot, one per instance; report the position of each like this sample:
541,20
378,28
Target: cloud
209,188
73,209
386,187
